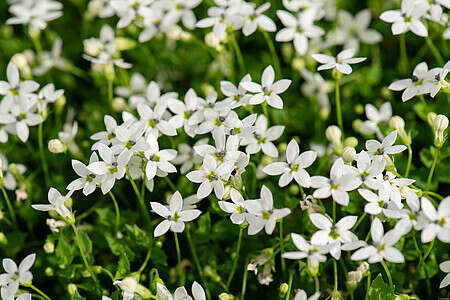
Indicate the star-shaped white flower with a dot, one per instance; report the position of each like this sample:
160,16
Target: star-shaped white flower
341,62
445,267
437,221
14,276
174,215
56,203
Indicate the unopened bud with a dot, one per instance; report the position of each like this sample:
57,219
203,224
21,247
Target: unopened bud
363,268
430,118
354,277
404,190
397,123
225,296
359,109
294,189
333,134
351,142
49,247
356,125
91,47
282,147
119,104
56,146
3,239
298,64
49,272
349,154
123,43
324,113
440,124
284,288
71,288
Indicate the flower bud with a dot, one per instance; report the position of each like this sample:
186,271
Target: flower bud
397,123
351,141
71,288
212,41
363,268
3,239
266,160
440,124
226,194
56,146
97,269
94,8
349,154
60,102
1,169
282,147
225,296
333,134
49,247
404,190
49,272
119,104
109,72
91,47
284,288
356,124
359,109
123,43
298,64
287,51
324,113
294,189
354,277
430,118
207,89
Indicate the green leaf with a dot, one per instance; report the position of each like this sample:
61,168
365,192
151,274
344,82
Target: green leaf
77,296
85,241
158,256
202,234
64,252
105,216
123,267
426,157
379,290
116,247
141,236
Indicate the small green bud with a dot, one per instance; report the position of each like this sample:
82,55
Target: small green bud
49,272
71,288
49,247
284,288
225,296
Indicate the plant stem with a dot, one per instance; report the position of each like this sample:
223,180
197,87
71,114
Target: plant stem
197,262
283,264
413,232
427,253
116,207
177,245
110,92
291,277
334,211
335,276
170,183
273,52
387,273
359,221
149,253
408,166
368,286
38,291
42,154
236,258
316,283
83,256
244,280
403,58
338,105
434,50
433,194
266,112
141,200
8,203
237,51
433,166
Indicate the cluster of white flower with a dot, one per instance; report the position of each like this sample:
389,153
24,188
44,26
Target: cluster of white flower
35,13
22,104
16,276
423,81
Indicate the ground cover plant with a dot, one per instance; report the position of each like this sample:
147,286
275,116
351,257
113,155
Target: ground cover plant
224,149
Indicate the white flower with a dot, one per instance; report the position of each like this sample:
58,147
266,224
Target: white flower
333,234
255,19
137,88
181,9
226,149
105,137
262,214
174,216
268,90
439,80
445,267
368,169
295,166
57,203
187,157
350,30
180,293
14,276
375,117
237,208
128,10
419,84
341,62
382,248
35,13
380,203
158,160
314,253
88,181
210,176
187,114
386,147
19,119
298,29
130,288
437,221
411,218
340,183
301,295
408,18
262,138
153,120
235,96
316,86
52,59
221,17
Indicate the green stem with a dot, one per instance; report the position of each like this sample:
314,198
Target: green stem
408,166
334,211
244,280
403,57
197,262
291,277
138,195
116,207
8,203
177,245
434,50
149,253
427,253
42,154
283,264
368,286
110,93
236,258
386,269
266,112
38,291
338,105
433,194
302,192
413,232
170,183
433,166
83,256
359,221
335,276
273,52
237,51
316,283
